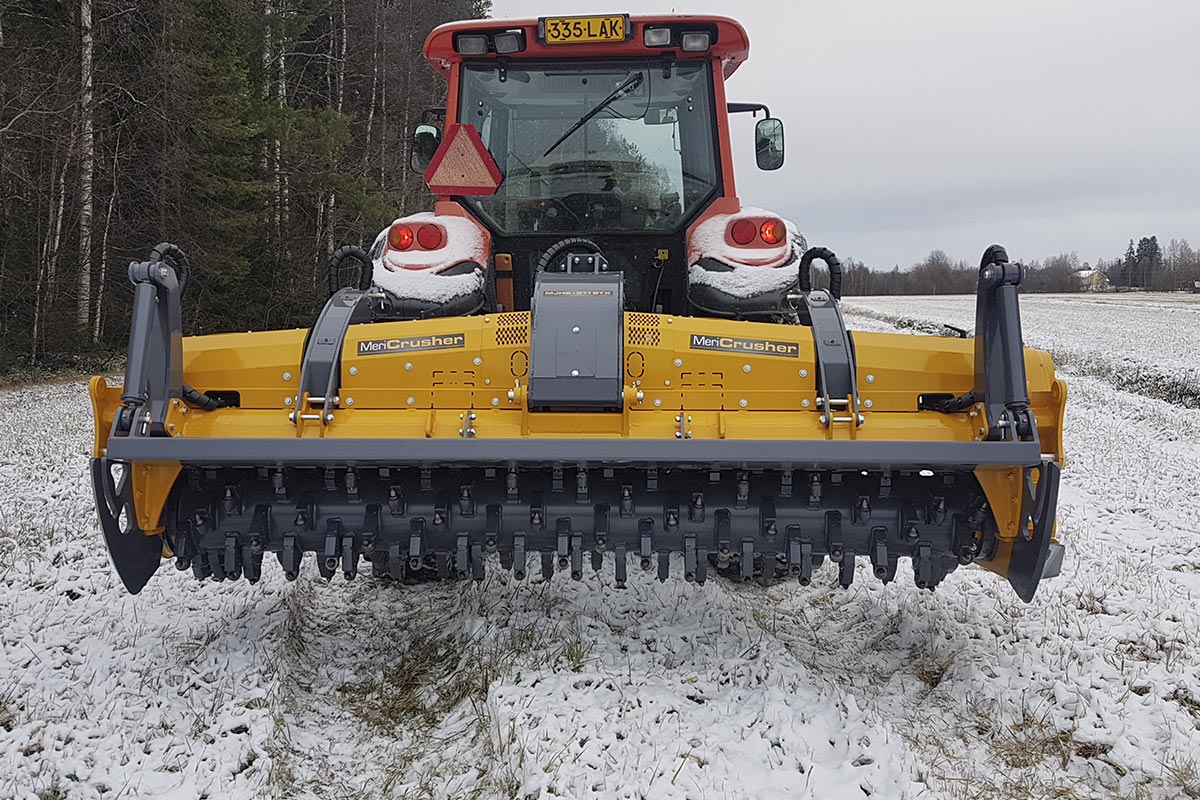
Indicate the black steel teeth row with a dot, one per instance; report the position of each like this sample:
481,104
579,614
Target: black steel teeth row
414,561
444,524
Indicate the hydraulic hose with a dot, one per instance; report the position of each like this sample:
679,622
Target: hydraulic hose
200,400
831,261
176,258
354,253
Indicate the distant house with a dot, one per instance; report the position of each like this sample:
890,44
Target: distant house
1092,280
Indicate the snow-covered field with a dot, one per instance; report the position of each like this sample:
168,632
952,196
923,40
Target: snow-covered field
567,690
1142,343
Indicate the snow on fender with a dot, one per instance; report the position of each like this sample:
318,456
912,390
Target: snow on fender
755,270
414,273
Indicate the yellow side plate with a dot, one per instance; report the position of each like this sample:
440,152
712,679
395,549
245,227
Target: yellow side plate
576,30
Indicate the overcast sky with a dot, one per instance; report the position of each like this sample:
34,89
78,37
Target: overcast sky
1046,125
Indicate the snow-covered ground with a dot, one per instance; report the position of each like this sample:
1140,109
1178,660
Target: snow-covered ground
1142,343
567,690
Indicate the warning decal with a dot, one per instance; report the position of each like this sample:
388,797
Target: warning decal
463,165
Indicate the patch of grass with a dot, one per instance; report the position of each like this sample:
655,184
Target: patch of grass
502,746
1185,699
1024,757
931,665
575,649
1092,749
1017,786
281,777
1029,741
409,690
1153,647
421,688
436,670
20,535
1183,773
1090,601
8,713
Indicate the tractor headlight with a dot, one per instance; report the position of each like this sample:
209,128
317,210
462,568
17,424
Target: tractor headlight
471,44
656,37
695,42
509,42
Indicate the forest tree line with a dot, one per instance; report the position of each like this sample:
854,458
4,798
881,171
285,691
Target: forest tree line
254,133
1146,265
258,135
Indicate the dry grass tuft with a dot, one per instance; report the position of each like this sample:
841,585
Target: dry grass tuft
1026,757
20,534
1029,741
437,676
576,649
1187,700
930,665
1183,773
8,714
1091,601
409,690
433,671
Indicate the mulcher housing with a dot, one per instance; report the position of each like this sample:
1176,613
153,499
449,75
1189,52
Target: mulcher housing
589,427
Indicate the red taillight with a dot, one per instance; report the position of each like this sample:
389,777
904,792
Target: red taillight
773,231
742,232
400,237
429,237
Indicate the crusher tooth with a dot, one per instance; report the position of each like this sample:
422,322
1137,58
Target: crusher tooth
590,352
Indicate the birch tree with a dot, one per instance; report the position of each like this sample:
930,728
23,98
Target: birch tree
87,161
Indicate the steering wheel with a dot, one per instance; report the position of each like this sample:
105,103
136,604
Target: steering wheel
554,251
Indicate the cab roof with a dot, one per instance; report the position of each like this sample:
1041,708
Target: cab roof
729,42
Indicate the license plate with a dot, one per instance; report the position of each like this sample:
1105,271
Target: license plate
575,30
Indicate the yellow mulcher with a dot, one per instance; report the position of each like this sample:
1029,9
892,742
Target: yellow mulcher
590,351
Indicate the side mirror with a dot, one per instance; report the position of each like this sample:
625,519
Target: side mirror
768,143
426,139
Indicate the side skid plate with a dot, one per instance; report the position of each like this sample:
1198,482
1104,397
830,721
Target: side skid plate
134,554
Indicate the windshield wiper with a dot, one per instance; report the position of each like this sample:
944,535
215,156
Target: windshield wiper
630,83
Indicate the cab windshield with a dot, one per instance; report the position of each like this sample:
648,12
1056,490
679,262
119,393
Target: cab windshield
588,148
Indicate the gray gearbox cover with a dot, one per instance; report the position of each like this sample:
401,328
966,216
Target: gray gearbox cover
576,348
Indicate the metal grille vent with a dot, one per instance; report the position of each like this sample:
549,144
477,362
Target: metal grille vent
512,329
642,330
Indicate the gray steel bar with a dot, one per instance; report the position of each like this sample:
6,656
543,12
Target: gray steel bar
154,371
1000,380
804,454
320,370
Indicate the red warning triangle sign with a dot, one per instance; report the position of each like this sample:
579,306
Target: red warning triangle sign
462,164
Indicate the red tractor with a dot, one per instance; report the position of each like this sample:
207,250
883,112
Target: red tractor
591,350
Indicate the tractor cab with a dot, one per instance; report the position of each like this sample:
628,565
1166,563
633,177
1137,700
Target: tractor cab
604,135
